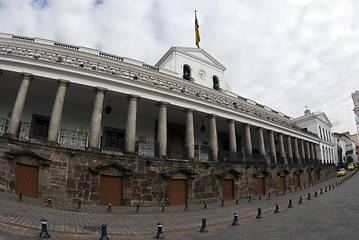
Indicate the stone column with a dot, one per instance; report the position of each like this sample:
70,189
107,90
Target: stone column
262,150
302,150
281,146
56,114
162,128
248,141
189,133
308,151
232,136
312,151
130,136
272,146
19,104
296,149
290,151
213,142
96,118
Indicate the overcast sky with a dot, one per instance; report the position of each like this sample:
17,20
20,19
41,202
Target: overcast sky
283,54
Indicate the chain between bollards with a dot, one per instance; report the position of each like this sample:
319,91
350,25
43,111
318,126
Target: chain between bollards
44,233
104,232
159,231
204,226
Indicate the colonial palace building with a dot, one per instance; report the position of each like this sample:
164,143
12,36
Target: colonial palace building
78,123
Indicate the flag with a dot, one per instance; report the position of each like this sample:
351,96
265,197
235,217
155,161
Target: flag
196,29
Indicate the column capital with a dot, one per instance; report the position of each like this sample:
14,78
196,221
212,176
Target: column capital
27,75
211,116
230,121
188,110
63,82
100,89
133,97
162,103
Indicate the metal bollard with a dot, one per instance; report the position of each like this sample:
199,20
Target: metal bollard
159,231
237,202
222,203
20,197
249,199
330,187
44,233
259,215
326,190
315,194
309,196
163,208
79,208
276,208
186,207
137,208
277,194
300,200
205,205
109,209
104,232
290,203
321,191
260,197
204,226
49,202
235,220
268,195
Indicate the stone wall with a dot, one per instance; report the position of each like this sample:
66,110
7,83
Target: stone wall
67,174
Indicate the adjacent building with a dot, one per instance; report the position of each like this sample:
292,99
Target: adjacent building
319,124
79,123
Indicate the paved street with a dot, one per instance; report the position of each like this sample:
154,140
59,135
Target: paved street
331,215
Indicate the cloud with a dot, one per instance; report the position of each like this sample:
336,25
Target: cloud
283,54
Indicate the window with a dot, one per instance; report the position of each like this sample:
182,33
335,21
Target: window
320,130
186,72
113,139
39,127
215,83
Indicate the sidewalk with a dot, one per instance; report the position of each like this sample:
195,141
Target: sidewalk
65,222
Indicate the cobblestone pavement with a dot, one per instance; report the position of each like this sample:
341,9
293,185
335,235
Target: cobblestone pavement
21,220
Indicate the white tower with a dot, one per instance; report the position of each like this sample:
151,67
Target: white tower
355,97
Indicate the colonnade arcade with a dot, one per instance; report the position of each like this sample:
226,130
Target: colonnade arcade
97,118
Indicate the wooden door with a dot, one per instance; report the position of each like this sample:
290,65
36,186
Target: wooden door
228,189
27,178
110,190
282,184
309,178
297,180
178,192
175,143
260,186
